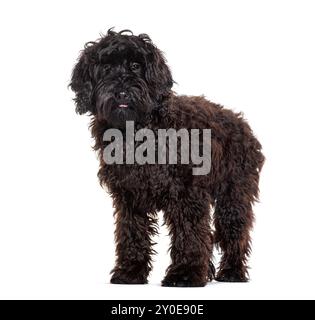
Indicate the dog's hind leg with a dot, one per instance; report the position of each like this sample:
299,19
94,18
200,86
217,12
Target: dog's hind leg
188,220
134,229
233,218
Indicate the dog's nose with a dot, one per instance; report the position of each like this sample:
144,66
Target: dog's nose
123,95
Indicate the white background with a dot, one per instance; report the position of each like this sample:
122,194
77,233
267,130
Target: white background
56,224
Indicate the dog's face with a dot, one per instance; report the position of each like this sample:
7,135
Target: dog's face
120,78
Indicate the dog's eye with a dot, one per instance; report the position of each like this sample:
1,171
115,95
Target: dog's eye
135,66
106,67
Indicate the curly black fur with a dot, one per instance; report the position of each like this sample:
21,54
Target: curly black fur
124,69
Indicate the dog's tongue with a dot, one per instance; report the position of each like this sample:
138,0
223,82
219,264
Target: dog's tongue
123,106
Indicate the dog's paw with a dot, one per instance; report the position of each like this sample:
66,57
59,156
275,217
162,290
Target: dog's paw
184,279
230,275
120,277
182,282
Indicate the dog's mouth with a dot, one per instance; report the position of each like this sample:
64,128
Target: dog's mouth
123,106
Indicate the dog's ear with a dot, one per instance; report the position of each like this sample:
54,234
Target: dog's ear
157,72
81,83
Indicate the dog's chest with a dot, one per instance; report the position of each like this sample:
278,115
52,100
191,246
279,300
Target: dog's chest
154,184
155,178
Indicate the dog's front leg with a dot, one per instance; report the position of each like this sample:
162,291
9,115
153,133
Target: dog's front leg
134,229
191,243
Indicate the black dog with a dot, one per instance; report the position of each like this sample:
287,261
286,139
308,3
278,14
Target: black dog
122,77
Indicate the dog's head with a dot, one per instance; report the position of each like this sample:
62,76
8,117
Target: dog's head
121,77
